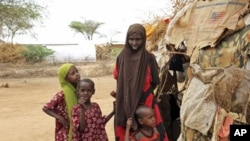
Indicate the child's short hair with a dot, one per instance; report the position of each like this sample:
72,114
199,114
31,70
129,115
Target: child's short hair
139,111
91,82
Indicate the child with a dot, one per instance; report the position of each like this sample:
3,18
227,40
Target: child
88,122
61,104
146,131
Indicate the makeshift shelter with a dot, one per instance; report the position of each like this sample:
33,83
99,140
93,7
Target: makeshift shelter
215,36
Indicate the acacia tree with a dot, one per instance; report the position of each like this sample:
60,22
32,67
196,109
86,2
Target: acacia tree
87,28
18,16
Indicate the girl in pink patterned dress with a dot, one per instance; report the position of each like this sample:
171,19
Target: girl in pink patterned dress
61,104
87,119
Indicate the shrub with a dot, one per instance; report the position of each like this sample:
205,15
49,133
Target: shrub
36,53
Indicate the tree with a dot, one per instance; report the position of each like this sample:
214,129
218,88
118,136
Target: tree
18,16
87,28
179,4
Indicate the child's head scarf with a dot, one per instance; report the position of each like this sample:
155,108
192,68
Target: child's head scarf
69,92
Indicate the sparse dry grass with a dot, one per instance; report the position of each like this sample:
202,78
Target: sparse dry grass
88,69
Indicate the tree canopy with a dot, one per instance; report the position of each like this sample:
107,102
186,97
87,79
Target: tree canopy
87,28
18,16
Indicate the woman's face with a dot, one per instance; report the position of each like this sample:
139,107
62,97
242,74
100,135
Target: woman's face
135,41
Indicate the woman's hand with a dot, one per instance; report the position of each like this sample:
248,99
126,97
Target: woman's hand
113,94
114,106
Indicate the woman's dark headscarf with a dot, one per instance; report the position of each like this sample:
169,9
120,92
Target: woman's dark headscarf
132,67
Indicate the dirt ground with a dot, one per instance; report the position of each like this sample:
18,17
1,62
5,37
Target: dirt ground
22,118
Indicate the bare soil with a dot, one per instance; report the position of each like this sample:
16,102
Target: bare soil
25,89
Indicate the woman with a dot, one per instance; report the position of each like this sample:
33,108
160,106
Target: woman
136,72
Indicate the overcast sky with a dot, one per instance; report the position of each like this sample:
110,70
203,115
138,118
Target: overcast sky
116,14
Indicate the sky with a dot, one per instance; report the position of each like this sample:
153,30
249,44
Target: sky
116,15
